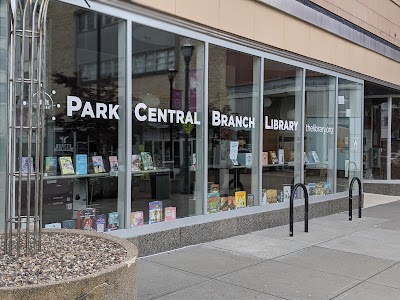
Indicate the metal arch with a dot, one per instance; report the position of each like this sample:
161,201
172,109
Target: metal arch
25,119
360,198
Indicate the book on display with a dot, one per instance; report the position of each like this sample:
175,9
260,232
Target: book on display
136,162
66,166
81,164
113,163
170,213
137,218
50,167
98,164
113,221
240,199
155,212
213,202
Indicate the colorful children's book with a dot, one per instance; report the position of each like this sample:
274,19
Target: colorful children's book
147,161
113,221
311,189
319,189
272,195
265,158
155,212
66,166
113,163
170,213
81,164
327,188
274,158
213,202
231,203
100,225
24,165
136,162
250,200
68,224
98,164
240,199
86,219
224,203
287,189
264,197
50,167
137,218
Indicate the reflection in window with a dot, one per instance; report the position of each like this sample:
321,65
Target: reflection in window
349,136
167,129
319,137
375,138
233,117
281,143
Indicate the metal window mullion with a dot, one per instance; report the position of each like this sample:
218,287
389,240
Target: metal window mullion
205,128
257,193
336,121
389,141
128,124
303,121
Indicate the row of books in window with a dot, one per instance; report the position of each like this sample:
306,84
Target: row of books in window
80,165
87,219
216,203
272,158
155,214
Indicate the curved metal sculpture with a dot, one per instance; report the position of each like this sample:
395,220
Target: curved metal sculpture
25,119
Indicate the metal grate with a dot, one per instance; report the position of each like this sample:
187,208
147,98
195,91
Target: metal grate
25,119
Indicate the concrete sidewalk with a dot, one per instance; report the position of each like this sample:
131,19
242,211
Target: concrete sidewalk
337,259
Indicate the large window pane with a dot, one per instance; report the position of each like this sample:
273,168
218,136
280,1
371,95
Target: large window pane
375,138
319,143
167,129
395,142
90,134
349,136
233,119
281,131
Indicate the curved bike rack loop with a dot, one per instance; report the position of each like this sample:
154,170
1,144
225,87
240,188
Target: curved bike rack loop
360,197
292,195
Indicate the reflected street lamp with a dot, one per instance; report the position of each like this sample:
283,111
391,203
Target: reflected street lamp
187,52
171,77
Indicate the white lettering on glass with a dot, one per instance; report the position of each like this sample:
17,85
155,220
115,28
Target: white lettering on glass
74,104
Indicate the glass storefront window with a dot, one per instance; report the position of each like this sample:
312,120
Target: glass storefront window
84,127
319,137
395,141
233,118
375,138
281,131
167,126
349,136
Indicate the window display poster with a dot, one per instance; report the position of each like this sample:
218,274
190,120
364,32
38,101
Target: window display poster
233,153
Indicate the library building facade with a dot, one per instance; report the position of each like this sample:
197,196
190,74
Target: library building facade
196,120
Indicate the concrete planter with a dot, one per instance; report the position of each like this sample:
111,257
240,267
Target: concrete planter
116,282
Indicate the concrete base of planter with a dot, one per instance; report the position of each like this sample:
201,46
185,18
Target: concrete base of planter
116,282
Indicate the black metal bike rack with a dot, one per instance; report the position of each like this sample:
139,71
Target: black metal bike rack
360,195
305,207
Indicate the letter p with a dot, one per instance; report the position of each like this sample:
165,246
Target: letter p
73,104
